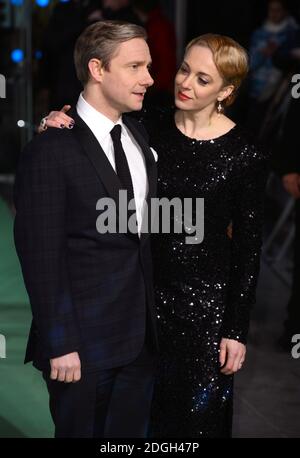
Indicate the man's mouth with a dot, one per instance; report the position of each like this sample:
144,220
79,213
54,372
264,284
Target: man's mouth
140,94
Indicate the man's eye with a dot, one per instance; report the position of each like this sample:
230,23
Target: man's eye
134,66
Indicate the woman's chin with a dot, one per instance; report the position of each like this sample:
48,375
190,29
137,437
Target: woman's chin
182,105
179,103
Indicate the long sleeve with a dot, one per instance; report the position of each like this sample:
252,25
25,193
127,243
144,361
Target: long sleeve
247,220
259,40
40,238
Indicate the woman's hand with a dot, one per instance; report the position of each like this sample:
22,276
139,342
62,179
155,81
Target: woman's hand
58,119
232,356
291,183
229,231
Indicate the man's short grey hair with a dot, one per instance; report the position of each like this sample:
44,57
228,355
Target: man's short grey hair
100,41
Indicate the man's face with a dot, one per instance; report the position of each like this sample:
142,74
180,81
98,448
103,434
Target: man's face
127,79
276,12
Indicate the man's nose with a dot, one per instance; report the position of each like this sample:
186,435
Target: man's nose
148,80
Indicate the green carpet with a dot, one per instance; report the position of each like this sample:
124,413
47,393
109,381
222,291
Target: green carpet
12,289
24,408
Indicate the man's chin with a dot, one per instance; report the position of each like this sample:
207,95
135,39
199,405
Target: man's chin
134,107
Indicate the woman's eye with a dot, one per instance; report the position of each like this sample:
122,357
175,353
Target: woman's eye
202,81
183,70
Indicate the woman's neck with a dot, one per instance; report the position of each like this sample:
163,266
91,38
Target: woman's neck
201,126
194,124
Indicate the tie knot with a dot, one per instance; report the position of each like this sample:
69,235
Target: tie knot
116,132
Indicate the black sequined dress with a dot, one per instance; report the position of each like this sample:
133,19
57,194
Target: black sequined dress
204,291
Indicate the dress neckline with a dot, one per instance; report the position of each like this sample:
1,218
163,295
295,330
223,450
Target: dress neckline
209,140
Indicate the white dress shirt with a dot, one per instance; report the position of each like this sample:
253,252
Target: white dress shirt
101,126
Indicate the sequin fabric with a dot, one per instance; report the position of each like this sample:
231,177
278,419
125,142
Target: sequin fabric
204,291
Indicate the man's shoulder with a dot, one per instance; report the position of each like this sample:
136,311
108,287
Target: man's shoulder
54,141
53,136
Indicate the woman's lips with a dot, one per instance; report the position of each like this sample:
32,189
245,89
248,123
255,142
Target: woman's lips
182,96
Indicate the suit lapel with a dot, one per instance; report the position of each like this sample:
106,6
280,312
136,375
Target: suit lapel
103,167
98,158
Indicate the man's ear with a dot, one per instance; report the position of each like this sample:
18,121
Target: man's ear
96,69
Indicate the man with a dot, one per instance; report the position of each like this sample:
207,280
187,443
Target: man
93,331
286,162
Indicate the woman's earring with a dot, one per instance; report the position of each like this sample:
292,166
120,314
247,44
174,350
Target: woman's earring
219,108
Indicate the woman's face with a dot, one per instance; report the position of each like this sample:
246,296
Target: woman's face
198,84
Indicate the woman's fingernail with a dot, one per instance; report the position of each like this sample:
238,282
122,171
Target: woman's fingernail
71,126
62,126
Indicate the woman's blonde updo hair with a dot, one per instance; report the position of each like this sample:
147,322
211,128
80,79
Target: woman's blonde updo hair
230,58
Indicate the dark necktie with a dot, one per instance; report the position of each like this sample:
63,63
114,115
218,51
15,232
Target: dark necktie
122,168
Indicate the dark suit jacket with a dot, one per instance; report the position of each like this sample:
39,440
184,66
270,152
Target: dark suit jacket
89,292
286,156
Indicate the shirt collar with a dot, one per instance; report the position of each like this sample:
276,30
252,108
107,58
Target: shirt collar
97,121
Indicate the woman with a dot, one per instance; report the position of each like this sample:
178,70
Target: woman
204,292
